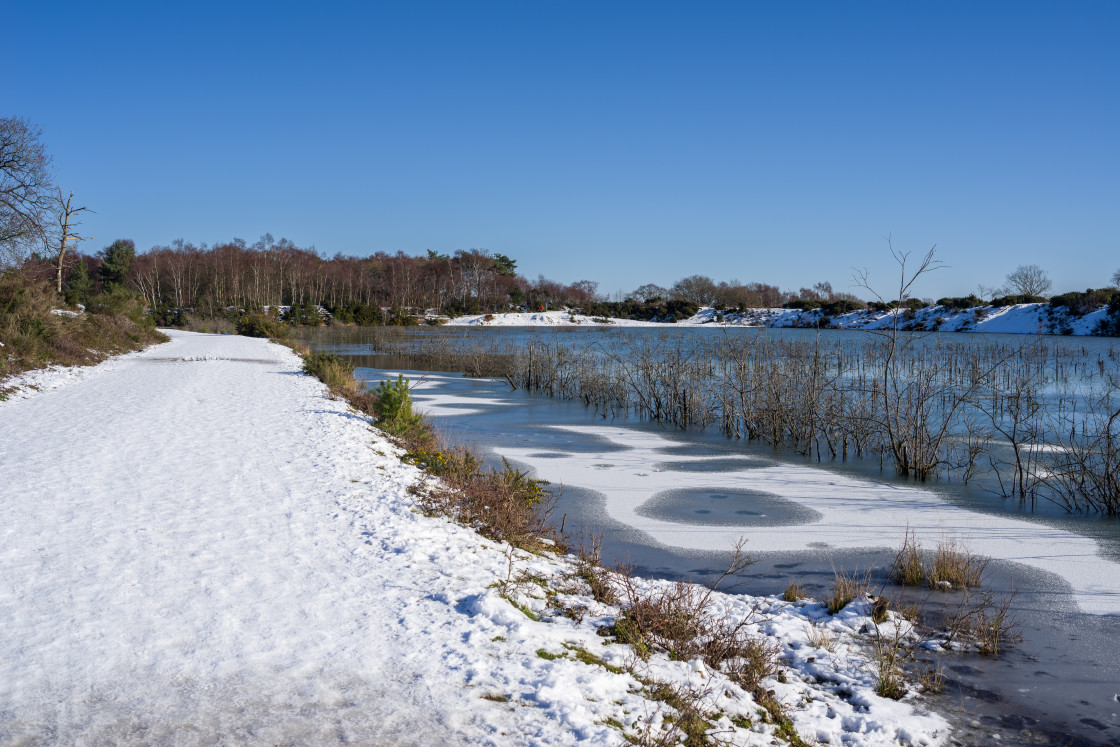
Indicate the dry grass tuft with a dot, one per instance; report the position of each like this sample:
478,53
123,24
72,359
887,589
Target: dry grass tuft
892,650
795,592
953,566
845,588
820,637
505,505
213,325
992,626
690,724
589,568
932,680
949,566
908,568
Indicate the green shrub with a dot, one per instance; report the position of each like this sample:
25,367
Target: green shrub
399,317
306,315
364,315
259,325
802,304
843,306
653,310
1110,325
119,301
393,406
116,260
530,491
1082,303
166,316
34,337
79,285
1016,299
959,303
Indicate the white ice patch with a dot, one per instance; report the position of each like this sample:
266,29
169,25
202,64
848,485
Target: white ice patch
437,405
855,514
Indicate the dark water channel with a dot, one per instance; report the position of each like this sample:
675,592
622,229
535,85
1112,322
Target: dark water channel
1059,685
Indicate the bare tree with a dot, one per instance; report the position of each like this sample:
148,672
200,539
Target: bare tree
1029,280
586,289
25,189
699,289
862,277
1085,473
648,292
916,406
1116,280
67,225
987,293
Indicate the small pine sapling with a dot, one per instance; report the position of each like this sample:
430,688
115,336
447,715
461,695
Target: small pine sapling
393,405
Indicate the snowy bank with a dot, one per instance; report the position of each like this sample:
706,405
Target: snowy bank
200,546
1031,318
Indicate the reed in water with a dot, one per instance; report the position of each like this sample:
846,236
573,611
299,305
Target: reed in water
1043,419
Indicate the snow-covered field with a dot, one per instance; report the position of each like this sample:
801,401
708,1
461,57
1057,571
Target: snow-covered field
1033,318
200,547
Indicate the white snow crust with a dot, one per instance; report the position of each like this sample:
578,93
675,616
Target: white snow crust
199,546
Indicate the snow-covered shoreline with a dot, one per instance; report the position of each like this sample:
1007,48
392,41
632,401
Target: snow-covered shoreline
1031,318
200,545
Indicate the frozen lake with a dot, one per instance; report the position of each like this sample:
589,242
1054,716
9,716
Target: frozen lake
672,503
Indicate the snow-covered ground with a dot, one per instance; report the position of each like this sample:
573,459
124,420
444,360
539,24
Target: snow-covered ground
545,319
199,546
1034,318
30,383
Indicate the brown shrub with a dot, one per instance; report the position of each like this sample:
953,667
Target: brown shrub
504,505
589,556
34,337
679,619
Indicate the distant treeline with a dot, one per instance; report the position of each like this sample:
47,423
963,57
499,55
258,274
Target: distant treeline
270,272
390,288
279,273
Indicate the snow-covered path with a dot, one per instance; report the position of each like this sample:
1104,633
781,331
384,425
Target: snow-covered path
176,563
199,546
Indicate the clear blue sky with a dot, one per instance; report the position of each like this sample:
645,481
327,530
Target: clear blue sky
621,142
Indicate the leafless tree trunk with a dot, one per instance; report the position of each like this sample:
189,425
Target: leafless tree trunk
66,227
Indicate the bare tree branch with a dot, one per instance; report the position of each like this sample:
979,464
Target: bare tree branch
25,189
